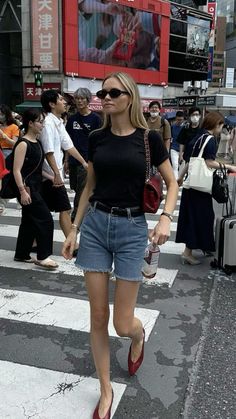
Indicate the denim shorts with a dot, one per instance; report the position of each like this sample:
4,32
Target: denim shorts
106,239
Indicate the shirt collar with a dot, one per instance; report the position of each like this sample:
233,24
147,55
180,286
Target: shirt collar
57,121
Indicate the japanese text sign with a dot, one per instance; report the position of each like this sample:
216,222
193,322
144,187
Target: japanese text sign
45,34
31,92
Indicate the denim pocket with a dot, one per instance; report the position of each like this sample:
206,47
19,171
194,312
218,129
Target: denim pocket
139,221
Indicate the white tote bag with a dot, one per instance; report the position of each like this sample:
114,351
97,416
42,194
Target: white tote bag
200,176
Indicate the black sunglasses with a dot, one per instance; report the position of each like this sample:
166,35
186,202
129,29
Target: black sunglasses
113,93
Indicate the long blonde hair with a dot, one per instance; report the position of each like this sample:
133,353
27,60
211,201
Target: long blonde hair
136,115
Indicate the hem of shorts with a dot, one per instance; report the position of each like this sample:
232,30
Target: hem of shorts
86,269
140,279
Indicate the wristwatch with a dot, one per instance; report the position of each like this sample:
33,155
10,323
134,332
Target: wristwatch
167,214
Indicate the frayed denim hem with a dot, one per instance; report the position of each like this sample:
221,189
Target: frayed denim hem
86,269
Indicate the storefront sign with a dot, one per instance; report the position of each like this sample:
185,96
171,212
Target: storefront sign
187,101
229,82
45,34
206,101
33,93
169,102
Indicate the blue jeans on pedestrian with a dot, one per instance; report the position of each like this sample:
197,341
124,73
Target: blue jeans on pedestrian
106,239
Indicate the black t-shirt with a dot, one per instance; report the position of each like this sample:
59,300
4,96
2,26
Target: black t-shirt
120,165
79,127
186,135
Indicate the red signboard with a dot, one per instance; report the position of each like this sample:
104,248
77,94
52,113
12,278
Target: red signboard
45,34
33,93
98,40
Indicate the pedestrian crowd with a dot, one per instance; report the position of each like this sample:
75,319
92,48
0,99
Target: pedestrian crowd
105,160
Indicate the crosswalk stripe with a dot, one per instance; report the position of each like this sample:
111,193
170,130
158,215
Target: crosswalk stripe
27,391
59,311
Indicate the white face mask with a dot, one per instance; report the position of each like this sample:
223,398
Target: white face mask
195,119
154,114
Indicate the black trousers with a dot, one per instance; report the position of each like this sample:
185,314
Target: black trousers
36,223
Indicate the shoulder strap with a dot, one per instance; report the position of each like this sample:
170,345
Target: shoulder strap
41,153
204,145
162,122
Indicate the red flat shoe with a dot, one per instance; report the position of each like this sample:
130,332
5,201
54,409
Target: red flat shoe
108,414
134,366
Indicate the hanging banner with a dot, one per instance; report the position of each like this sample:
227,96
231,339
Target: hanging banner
45,34
211,9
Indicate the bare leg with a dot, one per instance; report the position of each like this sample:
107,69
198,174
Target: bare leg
125,323
97,287
65,222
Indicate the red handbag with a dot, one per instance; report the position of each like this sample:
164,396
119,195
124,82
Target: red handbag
153,188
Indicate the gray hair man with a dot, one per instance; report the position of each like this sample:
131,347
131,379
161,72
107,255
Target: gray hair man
79,127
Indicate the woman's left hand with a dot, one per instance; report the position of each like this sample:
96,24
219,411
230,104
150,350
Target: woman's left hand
161,232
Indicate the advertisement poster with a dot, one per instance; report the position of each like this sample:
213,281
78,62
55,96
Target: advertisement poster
198,36
114,34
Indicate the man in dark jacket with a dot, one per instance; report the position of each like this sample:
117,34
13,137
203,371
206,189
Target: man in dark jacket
79,127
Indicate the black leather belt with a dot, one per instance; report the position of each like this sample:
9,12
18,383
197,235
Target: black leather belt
122,212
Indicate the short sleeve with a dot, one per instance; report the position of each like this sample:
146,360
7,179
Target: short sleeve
46,139
158,149
66,141
210,150
15,132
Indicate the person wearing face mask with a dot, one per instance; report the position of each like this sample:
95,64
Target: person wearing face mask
158,123
193,129
174,147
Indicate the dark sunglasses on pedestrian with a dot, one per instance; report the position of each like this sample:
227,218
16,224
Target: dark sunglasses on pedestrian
113,93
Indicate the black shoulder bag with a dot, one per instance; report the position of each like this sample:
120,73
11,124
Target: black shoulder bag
220,188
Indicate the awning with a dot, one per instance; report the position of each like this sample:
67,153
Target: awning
230,119
28,104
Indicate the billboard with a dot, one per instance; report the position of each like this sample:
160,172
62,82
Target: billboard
118,35
104,36
189,44
45,34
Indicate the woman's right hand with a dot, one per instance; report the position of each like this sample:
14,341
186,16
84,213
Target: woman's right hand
69,245
25,198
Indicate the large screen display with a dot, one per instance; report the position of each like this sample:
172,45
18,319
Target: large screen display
118,35
102,36
189,44
198,36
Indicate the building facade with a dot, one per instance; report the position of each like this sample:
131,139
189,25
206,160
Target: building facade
76,44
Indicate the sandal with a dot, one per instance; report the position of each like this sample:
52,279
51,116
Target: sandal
47,263
29,260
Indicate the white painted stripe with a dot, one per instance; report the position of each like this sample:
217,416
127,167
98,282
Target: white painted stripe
152,224
162,277
57,311
16,213
27,392
173,248
7,230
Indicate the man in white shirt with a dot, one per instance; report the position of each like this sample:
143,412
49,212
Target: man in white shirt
55,140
